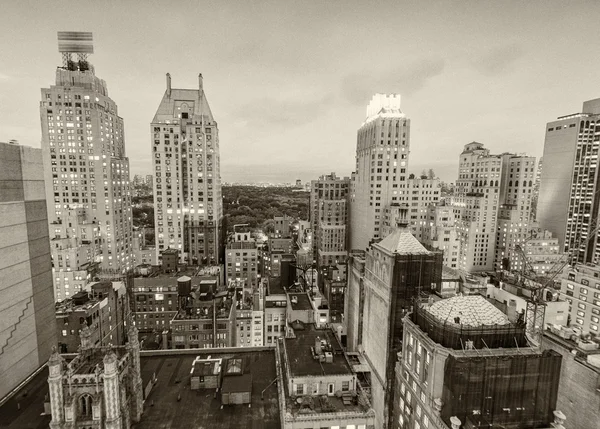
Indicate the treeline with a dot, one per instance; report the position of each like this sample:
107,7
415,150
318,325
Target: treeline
255,206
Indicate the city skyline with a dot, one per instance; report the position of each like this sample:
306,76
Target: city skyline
458,80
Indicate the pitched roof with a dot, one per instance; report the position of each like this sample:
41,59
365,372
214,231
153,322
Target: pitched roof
194,98
402,242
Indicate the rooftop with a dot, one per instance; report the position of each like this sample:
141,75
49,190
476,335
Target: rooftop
200,408
472,311
402,242
275,287
300,301
300,357
196,409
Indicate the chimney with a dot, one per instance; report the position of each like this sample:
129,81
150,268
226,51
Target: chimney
168,84
200,84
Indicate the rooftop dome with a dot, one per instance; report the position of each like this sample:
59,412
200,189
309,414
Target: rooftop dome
471,311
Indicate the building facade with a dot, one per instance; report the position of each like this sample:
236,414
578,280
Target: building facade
382,149
85,169
329,219
188,207
568,198
27,328
440,232
241,261
381,287
100,388
101,310
443,382
492,203
318,387
580,287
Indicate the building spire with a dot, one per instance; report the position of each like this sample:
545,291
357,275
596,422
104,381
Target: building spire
168,84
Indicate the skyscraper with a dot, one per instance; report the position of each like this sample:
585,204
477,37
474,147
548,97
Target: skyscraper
86,171
568,201
382,149
27,325
188,208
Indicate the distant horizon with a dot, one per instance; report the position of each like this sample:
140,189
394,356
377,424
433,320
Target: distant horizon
288,83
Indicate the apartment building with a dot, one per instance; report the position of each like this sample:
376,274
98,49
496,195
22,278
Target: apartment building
329,219
86,170
188,207
440,232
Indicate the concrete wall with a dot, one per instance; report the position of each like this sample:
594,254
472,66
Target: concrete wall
27,325
578,397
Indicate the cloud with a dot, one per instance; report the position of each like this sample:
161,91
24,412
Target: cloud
499,59
406,80
4,76
272,112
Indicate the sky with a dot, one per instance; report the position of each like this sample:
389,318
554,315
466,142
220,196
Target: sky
289,82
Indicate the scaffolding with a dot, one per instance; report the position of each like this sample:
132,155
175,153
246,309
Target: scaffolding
508,391
461,337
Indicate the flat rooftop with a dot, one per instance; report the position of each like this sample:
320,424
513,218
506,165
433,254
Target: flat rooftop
197,409
200,408
303,302
24,410
275,287
299,356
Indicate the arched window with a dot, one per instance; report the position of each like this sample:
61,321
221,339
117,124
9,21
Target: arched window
85,405
510,183
530,183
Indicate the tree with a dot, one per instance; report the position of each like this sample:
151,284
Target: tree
423,174
430,174
411,176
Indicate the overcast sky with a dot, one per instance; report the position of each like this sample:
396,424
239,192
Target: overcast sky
288,82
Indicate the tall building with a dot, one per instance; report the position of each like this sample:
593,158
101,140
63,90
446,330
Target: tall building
188,209
329,219
85,169
465,365
492,203
382,149
27,328
568,198
382,285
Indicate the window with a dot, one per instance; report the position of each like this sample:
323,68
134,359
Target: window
299,389
345,386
